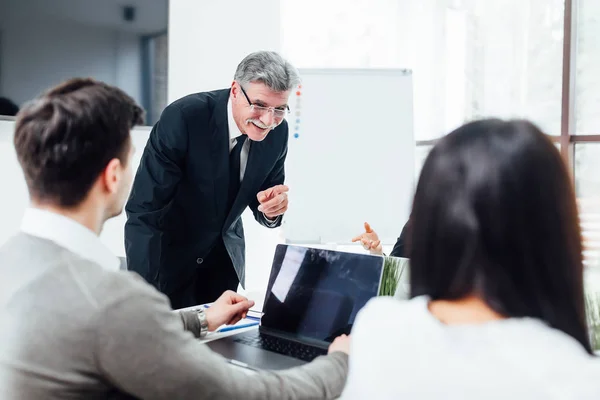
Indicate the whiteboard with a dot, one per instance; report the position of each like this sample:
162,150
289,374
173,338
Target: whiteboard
351,154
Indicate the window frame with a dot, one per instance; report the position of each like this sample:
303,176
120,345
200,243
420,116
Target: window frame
568,137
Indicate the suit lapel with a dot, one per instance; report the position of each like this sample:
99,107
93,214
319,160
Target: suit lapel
219,152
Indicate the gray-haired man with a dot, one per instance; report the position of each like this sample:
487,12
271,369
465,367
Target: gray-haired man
198,174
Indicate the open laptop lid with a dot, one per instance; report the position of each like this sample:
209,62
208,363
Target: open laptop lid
314,294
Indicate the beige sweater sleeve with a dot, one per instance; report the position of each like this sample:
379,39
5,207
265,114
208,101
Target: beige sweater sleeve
142,349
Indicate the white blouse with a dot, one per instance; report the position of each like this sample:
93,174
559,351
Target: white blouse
400,351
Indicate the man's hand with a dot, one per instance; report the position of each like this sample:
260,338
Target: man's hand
341,343
273,201
369,240
227,309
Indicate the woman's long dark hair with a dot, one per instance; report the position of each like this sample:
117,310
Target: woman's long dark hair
495,215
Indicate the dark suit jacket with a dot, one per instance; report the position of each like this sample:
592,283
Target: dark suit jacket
177,208
399,249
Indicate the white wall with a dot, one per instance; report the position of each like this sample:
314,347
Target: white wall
207,40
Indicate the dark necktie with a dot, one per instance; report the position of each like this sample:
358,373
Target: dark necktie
234,170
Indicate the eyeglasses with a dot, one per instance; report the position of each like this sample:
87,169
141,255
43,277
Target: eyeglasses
278,113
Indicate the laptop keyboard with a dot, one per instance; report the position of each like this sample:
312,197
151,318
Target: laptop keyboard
282,346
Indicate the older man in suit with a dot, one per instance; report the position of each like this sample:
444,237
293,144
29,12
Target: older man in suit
209,157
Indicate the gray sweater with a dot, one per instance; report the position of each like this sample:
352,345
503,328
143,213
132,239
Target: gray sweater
73,330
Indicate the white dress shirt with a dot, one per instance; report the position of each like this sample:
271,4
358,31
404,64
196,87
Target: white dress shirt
69,234
399,350
234,133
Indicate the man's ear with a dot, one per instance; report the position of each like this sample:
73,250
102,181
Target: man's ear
234,89
111,175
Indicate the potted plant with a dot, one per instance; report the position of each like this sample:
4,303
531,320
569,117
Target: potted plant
395,271
592,305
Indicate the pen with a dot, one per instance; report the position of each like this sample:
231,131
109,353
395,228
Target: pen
234,327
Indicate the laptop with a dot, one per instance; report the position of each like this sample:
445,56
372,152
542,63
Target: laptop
312,297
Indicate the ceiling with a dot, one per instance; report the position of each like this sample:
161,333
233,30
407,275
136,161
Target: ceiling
151,16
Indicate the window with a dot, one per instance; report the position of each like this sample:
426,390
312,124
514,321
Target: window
469,59
587,90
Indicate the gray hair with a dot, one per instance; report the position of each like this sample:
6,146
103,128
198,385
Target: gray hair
269,68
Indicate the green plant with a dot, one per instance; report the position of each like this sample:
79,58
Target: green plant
393,268
592,306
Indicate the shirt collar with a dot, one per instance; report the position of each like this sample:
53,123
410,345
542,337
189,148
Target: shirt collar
234,131
69,234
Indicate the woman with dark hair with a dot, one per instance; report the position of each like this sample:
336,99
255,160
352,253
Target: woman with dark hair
497,298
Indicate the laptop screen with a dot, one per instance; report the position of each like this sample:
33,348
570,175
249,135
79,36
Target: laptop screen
316,293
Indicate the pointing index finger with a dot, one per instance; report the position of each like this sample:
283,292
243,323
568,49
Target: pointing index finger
271,192
280,189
